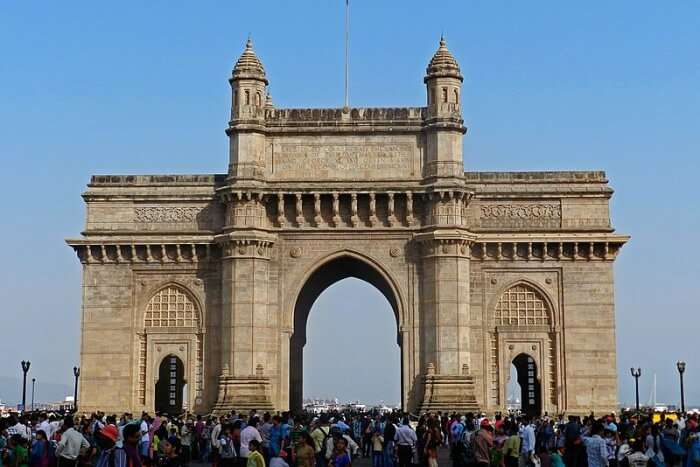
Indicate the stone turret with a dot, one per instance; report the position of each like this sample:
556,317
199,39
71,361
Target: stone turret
249,86
444,122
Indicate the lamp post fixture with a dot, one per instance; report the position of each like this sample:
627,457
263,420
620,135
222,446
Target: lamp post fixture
33,383
636,373
681,369
76,373
25,370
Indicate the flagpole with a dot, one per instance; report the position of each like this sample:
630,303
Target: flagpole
347,38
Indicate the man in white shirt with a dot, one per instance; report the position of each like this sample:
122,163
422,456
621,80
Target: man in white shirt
248,434
45,426
16,427
145,443
406,439
72,442
527,446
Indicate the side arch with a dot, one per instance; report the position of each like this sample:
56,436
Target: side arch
522,331
172,322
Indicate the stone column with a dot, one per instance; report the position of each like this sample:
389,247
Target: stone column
445,258
249,337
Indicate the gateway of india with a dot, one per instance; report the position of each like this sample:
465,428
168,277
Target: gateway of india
196,289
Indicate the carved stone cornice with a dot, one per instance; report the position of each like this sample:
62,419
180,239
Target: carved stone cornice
444,242
549,249
122,252
253,244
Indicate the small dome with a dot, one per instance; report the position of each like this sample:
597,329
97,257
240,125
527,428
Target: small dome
249,65
443,64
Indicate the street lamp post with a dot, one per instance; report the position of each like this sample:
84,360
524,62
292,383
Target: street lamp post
33,383
25,370
76,373
681,369
636,373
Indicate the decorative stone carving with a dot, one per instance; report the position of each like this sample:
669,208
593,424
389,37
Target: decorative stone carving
172,214
295,252
394,252
523,214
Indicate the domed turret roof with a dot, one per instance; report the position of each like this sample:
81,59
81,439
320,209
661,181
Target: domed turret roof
443,64
249,65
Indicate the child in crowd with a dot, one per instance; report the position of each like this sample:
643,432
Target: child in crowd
255,457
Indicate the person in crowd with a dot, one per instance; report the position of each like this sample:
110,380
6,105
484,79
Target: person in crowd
406,440
228,452
483,444
248,434
71,444
433,440
170,449
42,451
16,453
389,440
186,439
377,448
528,440
145,442
340,456
254,457
596,449
635,457
305,452
511,448
320,435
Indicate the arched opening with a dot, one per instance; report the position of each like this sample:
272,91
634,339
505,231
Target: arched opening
514,392
530,391
339,268
170,385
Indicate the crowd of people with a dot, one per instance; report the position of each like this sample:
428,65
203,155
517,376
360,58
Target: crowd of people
338,439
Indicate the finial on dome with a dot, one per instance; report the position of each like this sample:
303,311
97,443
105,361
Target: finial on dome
443,63
249,65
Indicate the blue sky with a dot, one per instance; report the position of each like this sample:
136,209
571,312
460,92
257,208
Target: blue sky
141,87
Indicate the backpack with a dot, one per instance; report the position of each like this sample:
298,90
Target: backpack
226,450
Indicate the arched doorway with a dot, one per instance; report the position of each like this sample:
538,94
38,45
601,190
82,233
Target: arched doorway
531,394
336,269
170,385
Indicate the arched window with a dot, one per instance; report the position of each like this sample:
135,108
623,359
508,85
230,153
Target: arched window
456,92
444,94
247,97
171,307
258,99
522,305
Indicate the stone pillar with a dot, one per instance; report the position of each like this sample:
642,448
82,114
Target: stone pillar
445,258
248,339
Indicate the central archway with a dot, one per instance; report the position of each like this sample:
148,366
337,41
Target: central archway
334,269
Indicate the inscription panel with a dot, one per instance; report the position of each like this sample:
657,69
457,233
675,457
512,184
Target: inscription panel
342,160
